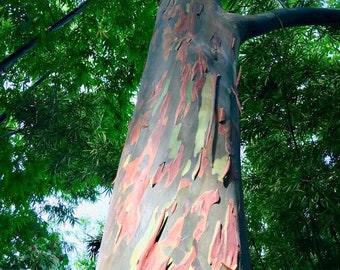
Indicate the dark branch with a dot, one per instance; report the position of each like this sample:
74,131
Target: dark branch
280,3
9,60
260,24
10,134
68,17
40,80
3,117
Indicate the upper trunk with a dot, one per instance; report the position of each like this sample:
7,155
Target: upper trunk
177,199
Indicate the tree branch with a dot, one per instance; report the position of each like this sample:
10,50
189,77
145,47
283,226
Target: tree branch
9,60
3,117
281,3
40,80
259,24
13,132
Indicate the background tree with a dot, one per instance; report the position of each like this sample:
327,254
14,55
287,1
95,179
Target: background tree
64,109
291,138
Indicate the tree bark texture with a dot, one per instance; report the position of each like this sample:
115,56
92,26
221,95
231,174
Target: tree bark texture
177,201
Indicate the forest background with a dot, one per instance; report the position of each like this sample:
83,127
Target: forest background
66,99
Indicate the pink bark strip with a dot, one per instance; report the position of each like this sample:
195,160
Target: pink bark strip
153,257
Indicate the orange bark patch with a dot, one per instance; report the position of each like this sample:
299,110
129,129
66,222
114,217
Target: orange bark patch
171,12
221,115
173,207
135,132
185,182
198,72
233,241
168,39
163,118
142,122
200,228
225,246
227,168
174,236
202,207
203,162
232,42
153,256
170,170
205,201
224,128
235,92
186,68
132,171
159,86
128,211
158,175
184,24
216,246
156,260
174,167
182,52
136,175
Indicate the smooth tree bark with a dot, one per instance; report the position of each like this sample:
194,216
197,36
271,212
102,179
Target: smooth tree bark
177,201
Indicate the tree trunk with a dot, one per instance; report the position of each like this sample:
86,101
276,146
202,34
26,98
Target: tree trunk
177,201
178,197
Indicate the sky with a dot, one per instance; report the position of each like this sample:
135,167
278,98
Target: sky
89,214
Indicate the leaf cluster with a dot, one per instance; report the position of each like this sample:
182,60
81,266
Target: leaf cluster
290,131
27,241
65,106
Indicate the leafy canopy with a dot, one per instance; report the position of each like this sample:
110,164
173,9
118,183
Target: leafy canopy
65,105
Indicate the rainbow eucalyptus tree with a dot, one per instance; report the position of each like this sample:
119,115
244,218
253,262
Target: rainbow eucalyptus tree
177,201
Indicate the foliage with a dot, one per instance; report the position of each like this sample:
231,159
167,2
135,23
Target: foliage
290,129
65,106
85,263
28,243
91,233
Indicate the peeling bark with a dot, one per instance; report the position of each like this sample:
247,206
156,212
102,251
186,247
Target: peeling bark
177,201
170,190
